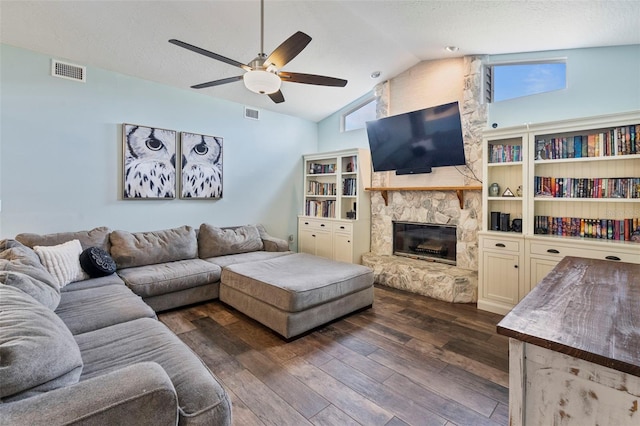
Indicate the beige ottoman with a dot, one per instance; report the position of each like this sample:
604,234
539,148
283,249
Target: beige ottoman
296,293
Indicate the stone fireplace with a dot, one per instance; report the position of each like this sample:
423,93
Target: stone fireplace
456,281
425,241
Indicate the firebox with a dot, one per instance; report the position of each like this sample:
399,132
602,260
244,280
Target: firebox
425,241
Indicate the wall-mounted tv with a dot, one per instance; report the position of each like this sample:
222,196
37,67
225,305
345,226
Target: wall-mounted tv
416,141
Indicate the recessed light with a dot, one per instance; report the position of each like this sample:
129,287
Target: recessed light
375,74
451,49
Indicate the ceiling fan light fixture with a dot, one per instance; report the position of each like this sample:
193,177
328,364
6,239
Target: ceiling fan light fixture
262,82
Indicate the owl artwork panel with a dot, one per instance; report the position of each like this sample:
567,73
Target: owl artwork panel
149,162
201,162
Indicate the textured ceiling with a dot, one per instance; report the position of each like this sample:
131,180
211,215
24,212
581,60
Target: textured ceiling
350,38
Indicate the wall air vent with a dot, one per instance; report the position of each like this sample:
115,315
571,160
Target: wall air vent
252,114
68,71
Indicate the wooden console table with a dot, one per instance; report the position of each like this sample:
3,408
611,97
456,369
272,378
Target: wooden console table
384,191
574,347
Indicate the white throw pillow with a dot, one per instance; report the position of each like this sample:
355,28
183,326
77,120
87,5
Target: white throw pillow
63,261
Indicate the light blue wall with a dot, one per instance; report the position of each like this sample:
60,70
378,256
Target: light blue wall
61,148
600,81
330,138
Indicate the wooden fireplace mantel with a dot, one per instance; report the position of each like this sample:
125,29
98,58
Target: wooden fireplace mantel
384,191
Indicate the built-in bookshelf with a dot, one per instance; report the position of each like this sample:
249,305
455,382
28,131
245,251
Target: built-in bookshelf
335,221
580,196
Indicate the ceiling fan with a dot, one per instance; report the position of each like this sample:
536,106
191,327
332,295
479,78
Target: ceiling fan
263,74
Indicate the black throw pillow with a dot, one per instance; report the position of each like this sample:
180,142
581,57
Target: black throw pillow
96,262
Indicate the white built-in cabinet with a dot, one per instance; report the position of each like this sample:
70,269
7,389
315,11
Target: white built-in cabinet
567,202
336,212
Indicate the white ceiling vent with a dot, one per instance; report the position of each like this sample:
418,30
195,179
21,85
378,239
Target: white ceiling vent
252,114
68,71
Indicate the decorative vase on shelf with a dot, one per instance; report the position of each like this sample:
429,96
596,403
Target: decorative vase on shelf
494,190
519,191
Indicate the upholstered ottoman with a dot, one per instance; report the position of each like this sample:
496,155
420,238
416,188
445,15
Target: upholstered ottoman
296,293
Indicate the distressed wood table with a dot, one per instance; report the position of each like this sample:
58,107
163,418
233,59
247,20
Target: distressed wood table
574,347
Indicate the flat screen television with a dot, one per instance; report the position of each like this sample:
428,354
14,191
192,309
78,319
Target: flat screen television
416,141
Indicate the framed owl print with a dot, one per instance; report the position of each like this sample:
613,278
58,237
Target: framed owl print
149,162
201,166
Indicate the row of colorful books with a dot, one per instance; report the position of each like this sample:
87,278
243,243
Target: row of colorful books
349,186
608,229
505,153
325,208
560,187
320,188
318,168
618,141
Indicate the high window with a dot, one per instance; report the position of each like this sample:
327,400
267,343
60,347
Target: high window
357,117
514,80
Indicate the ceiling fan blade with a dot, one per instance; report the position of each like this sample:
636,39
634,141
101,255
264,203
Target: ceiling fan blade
289,49
217,82
318,80
209,54
277,97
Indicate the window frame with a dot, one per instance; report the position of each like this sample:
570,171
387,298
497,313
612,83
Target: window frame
358,106
489,76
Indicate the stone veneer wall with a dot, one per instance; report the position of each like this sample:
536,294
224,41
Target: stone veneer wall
445,282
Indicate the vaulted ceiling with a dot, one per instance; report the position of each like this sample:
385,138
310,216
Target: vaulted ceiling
351,39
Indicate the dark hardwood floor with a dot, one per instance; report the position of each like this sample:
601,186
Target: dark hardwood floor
410,360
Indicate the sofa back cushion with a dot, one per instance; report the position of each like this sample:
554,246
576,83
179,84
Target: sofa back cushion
96,237
20,267
37,350
213,241
149,248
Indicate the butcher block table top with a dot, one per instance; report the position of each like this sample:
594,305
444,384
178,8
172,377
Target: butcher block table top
584,308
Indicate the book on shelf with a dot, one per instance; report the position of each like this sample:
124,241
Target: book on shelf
561,187
352,165
320,188
319,168
324,208
604,229
349,186
505,153
623,140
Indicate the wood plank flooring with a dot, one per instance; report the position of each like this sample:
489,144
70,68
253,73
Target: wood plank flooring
410,360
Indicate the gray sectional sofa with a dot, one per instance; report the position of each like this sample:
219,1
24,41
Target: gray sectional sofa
93,352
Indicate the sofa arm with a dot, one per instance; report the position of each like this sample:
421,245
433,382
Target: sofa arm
140,394
272,243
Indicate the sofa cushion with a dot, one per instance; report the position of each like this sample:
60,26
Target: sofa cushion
47,295
96,262
37,351
91,309
153,280
23,259
201,397
96,237
62,261
112,279
214,241
149,248
21,268
254,256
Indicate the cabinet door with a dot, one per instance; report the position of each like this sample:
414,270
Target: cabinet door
538,269
306,241
323,243
500,277
343,248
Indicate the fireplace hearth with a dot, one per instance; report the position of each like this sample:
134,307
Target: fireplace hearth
425,241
